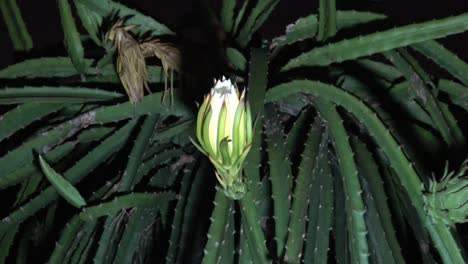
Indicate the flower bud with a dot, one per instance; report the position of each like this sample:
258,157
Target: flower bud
447,200
224,133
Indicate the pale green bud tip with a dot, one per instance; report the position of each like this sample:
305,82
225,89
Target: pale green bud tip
224,129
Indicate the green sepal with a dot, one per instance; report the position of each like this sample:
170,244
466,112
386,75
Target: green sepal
224,150
205,140
238,162
200,118
249,126
200,148
221,135
238,136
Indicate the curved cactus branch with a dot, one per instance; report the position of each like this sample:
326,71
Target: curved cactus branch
379,42
444,240
355,209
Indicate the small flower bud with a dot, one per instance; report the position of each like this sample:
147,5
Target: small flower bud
224,133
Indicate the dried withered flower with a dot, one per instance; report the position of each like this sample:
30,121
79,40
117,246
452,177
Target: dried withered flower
171,60
131,66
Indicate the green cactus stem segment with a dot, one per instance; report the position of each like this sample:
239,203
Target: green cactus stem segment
444,240
354,203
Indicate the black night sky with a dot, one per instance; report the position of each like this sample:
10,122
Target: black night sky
43,21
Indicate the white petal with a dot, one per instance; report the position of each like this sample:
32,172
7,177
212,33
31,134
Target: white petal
216,103
223,90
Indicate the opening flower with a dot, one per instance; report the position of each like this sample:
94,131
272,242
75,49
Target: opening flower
224,133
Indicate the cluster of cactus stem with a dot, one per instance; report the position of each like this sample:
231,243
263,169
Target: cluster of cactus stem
96,171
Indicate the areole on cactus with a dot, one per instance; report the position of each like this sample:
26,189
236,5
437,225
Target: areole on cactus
224,133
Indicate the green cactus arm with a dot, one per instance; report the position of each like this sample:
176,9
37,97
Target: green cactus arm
84,243
306,27
135,232
71,36
264,15
355,205
457,93
444,58
384,242
243,248
227,15
124,202
416,66
280,176
340,235
252,229
105,8
28,187
158,159
379,42
63,187
326,19
441,234
24,155
15,25
383,70
151,104
66,239
320,213
136,155
236,58
43,68
227,251
257,82
109,238
219,218
402,94
89,21
23,115
176,226
169,132
239,17
62,67
423,94
452,123
30,170
108,74
194,201
73,175
300,128
22,253
6,241
94,133
258,15
302,193
58,94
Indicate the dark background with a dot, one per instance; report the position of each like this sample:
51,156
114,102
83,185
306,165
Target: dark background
43,21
